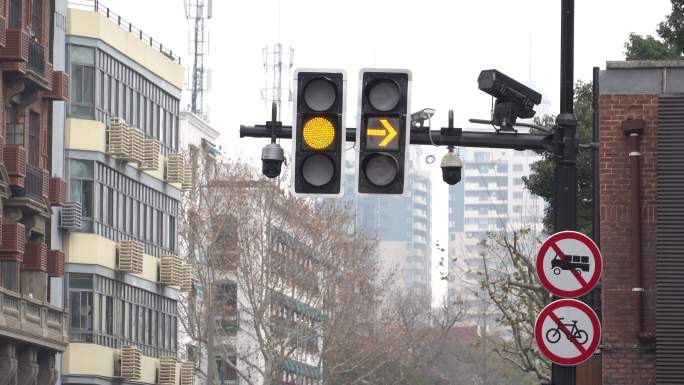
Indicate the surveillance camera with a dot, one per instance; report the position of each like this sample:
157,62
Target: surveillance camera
272,158
513,100
451,167
419,118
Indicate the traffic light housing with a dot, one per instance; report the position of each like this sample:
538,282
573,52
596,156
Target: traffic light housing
383,134
318,132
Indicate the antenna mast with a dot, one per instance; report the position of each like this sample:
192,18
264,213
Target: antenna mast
198,11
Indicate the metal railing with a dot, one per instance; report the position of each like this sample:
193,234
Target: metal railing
36,57
34,183
97,6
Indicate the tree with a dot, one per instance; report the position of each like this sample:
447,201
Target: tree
671,31
508,279
282,280
541,179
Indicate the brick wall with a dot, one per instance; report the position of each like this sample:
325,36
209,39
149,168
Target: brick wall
625,360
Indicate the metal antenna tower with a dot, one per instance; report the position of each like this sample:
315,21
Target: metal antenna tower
278,61
198,11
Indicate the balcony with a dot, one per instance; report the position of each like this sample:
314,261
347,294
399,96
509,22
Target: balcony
39,71
30,320
37,184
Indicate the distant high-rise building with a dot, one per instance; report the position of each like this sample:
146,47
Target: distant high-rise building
402,227
491,197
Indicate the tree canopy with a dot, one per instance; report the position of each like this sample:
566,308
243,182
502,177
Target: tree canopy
671,43
541,179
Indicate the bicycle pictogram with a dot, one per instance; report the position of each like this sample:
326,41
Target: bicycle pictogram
572,333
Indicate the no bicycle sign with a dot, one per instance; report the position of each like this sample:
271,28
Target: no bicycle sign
567,332
569,264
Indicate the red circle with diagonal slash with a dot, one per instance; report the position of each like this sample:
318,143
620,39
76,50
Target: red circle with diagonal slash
584,350
585,285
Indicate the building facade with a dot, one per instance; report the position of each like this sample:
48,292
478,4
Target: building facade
642,184
125,175
491,197
32,319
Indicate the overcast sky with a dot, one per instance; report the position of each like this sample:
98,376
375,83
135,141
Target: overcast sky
445,44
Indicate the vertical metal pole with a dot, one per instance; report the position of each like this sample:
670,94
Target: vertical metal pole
565,189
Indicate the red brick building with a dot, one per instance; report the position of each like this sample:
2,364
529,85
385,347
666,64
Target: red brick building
641,160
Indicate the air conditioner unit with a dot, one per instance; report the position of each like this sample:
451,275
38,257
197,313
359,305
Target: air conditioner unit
151,151
167,371
175,168
170,270
187,375
118,139
131,363
131,256
71,216
137,145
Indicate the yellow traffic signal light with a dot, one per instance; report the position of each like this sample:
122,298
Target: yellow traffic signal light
319,132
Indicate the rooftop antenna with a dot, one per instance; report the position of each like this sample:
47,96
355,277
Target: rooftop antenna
278,61
198,11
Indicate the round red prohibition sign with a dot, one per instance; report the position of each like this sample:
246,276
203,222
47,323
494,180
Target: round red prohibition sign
569,264
567,332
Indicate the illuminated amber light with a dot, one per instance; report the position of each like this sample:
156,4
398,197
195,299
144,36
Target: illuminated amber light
318,133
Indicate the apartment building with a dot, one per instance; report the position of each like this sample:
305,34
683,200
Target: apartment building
125,175
32,319
490,198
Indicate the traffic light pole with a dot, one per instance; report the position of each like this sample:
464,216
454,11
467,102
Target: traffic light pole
443,137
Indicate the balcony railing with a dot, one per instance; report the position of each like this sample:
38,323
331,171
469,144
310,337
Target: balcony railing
98,6
34,183
36,57
22,317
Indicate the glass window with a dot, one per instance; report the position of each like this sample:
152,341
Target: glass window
517,167
82,55
82,82
33,147
80,281
80,168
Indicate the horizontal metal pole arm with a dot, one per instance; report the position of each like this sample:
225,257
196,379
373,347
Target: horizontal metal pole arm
516,141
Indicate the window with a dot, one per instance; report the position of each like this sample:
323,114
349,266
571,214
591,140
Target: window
14,131
517,195
82,82
81,189
517,182
33,148
9,275
517,167
481,156
36,17
517,209
15,14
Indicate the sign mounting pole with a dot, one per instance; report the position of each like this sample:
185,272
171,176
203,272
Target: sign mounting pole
565,194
